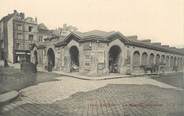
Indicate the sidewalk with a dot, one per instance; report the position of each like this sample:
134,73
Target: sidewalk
8,96
86,77
110,76
105,77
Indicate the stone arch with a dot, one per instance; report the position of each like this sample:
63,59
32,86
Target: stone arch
74,59
151,59
157,60
171,61
50,59
181,60
167,61
124,59
136,58
175,61
144,58
178,62
162,59
114,59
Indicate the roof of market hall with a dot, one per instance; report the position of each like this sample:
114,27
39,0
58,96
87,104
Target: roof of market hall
102,36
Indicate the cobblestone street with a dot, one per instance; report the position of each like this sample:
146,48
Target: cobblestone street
116,97
92,58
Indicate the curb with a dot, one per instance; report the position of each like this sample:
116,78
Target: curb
7,97
115,77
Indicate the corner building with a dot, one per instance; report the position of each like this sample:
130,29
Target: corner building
97,53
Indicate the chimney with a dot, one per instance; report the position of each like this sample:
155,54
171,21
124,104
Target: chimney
15,11
22,15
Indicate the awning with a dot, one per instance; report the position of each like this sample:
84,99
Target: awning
22,53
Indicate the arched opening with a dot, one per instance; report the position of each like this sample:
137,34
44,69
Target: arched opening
144,58
178,62
175,66
175,61
74,59
151,59
182,62
114,59
167,61
136,59
51,59
163,59
157,59
171,62
35,57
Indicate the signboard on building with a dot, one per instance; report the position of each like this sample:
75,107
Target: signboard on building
101,56
87,46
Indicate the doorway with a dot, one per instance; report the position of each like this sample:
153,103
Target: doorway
51,59
114,59
74,59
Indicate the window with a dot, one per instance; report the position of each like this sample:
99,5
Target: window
40,38
30,29
17,45
87,64
19,27
19,36
30,37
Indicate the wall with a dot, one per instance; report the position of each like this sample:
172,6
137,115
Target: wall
10,40
27,33
1,40
149,51
94,57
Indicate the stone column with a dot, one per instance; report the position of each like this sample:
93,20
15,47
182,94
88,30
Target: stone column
131,62
140,60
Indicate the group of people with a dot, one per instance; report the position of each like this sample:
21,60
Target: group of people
114,68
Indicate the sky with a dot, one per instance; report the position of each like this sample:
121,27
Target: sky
158,20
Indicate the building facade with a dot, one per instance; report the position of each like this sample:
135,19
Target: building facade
101,53
17,33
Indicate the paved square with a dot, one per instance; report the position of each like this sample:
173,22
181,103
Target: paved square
117,97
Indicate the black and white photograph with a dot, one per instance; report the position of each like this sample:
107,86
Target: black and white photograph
91,57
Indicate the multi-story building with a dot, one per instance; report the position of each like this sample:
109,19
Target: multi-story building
43,33
17,33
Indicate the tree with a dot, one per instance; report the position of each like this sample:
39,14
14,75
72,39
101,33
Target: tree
69,28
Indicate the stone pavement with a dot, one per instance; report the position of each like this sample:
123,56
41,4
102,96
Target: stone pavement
111,100
48,93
